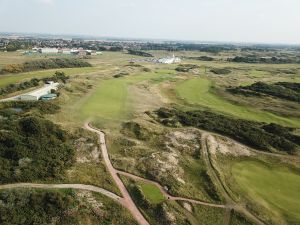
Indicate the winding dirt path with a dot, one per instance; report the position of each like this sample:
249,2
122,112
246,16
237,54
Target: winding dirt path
167,195
65,186
127,200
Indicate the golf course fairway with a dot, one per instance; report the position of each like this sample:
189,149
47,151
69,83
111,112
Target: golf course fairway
274,187
198,91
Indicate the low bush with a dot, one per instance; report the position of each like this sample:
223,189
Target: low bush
139,53
186,67
220,71
262,136
34,82
45,64
284,90
34,207
33,148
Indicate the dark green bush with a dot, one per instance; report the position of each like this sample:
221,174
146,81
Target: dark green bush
45,64
220,71
284,90
32,148
262,136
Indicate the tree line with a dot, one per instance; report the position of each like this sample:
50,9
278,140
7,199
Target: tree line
34,82
44,64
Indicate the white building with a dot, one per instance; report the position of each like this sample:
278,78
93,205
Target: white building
37,94
169,60
48,50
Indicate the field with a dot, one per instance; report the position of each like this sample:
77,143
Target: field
199,91
277,188
16,78
115,99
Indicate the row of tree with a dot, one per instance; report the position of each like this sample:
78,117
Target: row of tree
34,82
52,63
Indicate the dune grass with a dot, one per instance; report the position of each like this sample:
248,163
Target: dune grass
274,187
199,91
16,78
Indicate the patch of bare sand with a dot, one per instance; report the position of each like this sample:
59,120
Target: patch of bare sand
223,145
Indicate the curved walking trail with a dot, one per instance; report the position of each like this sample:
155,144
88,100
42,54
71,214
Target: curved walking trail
166,194
126,200
64,186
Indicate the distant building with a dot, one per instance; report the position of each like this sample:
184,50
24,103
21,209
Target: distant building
66,51
48,50
169,60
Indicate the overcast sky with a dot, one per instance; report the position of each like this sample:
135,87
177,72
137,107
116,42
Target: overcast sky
264,21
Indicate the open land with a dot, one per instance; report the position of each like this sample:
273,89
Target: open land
174,175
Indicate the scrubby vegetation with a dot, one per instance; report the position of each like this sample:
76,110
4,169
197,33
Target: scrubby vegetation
8,108
44,65
220,71
159,213
34,82
67,207
139,53
35,207
186,67
255,59
202,58
266,137
284,90
32,148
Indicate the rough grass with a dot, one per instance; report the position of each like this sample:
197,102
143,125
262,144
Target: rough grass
199,91
91,174
16,78
276,188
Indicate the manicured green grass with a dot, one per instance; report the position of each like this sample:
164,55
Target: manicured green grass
199,91
152,193
275,187
15,78
109,100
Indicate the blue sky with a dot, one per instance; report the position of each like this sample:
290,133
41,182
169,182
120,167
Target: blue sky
267,21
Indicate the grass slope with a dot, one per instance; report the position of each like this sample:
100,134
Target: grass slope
275,187
16,78
198,91
109,100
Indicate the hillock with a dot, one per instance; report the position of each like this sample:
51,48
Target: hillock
265,137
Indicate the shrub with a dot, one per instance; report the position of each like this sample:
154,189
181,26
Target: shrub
265,137
45,64
220,71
